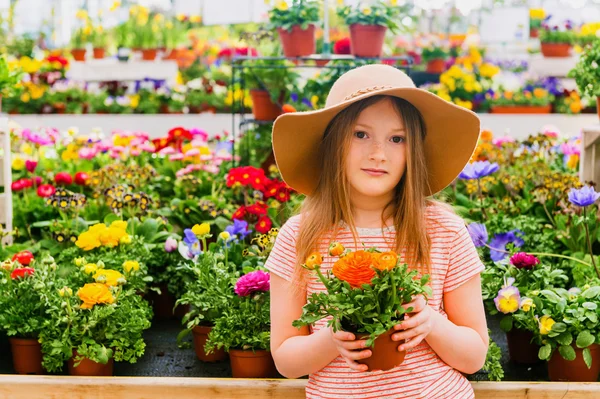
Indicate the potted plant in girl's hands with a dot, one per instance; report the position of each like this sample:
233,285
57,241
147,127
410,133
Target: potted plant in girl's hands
556,41
435,57
365,293
23,282
296,25
587,72
368,24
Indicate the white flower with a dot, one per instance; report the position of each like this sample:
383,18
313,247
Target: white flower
109,101
195,84
178,97
123,101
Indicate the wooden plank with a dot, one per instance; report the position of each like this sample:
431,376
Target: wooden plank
58,387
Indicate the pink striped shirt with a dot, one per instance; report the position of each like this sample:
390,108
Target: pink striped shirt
454,260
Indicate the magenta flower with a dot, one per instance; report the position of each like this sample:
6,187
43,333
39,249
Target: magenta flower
522,260
192,152
256,281
135,152
500,141
199,134
30,165
88,153
37,137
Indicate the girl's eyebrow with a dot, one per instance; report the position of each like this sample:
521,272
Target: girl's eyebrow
400,129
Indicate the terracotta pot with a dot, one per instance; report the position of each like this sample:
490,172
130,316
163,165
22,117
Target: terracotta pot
298,42
556,50
99,53
195,109
560,369
149,54
533,32
367,40
437,65
520,348
520,109
60,108
598,106
171,55
263,107
200,337
249,364
78,54
27,355
88,367
385,355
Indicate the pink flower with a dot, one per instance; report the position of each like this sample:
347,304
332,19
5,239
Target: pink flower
147,147
500,141
522,260
37,138
256,281
167,151
176,157
211,169
550,131
115,155
199,133
30,165
171,244
570,149
46,190
192,153
88,153
118,149
135,152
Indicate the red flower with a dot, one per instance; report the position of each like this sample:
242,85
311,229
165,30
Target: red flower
283,194
63,178
20,184
46,190
30,165
159,144
179,133
258,209
522,260
263,225
247,175
271,189
342,46
22,272
81,178
240,214
36,180
23,257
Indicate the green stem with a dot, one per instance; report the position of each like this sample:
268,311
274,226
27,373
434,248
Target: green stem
481,199
544,254
589,242
548,214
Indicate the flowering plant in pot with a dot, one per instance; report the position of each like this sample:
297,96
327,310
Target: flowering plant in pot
93,325
536,17
23,310
296,25
365,293
530,100
244,328
99,39
368,24
587,72
556,41
81,37
435,58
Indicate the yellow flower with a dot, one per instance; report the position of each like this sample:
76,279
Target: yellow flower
130,265
282,5
546,324
88,241
464,104
315,259
195,19
94,294
537,13
115,5
81,14
201,229
573,161
18,163
180,17
488,70
65,291
126,239
135,100
314,100
539,92
526,304
366,11
90,268
111,276
26,149
87,30
224,235
119,224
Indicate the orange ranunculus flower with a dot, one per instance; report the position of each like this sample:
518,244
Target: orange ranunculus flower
94,294
356,268
486,135
386,260
314,259
336,249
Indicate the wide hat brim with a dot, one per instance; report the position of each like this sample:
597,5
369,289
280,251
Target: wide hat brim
452,134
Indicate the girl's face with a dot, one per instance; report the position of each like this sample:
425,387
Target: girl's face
377,157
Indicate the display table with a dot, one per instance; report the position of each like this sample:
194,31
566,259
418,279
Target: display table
110,69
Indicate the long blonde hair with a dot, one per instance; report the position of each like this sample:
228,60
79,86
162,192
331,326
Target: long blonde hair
329,205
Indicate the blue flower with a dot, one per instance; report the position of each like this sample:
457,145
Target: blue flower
238,228
307,102
500,241
294,97
189,237
584,196
478,234
478,169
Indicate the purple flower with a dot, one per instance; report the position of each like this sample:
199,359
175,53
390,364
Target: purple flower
307,102
584,196
238,228
478,234
171,244
509,298
192,242
256,281
478,170
500,241
294,97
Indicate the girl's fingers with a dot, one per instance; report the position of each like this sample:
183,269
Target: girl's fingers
412,322
355,355
356,366
353,345
412,343
344,336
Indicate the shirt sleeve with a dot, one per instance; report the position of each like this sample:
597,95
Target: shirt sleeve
282,259
464,261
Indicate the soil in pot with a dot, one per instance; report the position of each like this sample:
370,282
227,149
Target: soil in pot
385,355
298,42
367,40
252,364
556,49
200,337
88,367
263,107
520,348
560,369
27,355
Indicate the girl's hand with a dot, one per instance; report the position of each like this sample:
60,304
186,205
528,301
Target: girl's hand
417,326
351,349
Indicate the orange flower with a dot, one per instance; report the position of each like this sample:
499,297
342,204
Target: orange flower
288,108
386,260
486,135
336,249
356,268
313,260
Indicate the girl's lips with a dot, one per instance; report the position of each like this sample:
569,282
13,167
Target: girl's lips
374,172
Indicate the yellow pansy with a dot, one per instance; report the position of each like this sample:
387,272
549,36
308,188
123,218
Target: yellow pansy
81,14
18,163
115,5
526,304
546,324
282,5
314,100
26,149
366,11
225,236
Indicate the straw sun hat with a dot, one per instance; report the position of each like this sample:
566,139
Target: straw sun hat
452,131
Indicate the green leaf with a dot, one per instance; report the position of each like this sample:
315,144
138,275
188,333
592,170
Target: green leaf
111,217
559,327
587,358
567,352
565,338
148,229
44,223
544,352
590,305
585,339
506,324
591,292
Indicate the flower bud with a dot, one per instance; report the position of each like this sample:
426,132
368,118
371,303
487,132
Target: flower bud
65,291
121,281
101,279
63,304
100,264
39,286
79,261
48,260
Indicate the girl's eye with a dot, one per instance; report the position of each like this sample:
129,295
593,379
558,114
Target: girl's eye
360,135
398,139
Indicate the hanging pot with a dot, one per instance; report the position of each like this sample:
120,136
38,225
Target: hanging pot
99,52
560,369
298,42
560,50
27,355
367,40
78,54
89,367
384,353
263,107
437,65
200,337
520,348
249,364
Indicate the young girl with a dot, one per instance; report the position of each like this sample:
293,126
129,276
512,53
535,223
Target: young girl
367,163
